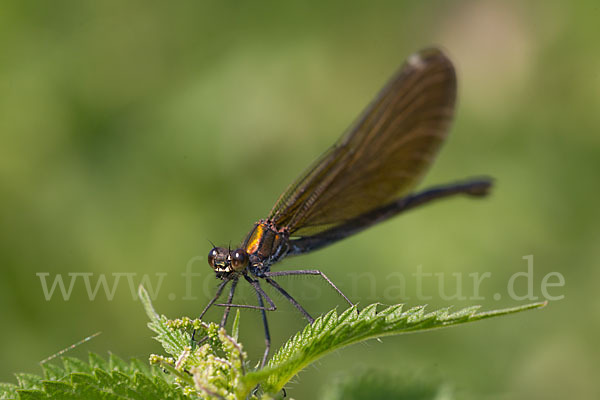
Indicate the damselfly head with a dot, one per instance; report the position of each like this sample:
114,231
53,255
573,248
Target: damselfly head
224,261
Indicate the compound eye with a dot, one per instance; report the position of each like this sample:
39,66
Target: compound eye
212,255
239,259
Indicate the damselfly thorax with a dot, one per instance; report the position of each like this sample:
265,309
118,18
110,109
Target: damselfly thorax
264,245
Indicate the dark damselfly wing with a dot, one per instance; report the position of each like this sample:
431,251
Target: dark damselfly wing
382,156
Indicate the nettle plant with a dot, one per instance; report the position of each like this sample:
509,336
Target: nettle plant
218,368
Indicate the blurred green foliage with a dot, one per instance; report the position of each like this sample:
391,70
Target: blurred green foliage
376,384
134,132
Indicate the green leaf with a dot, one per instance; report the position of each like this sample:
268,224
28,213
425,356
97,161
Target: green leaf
82,378
173,341
8,391
75,365
117,363
332,332
32,395
96,361
52,372
57,389
97,379
29,381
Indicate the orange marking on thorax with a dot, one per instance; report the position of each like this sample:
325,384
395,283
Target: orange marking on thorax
255,239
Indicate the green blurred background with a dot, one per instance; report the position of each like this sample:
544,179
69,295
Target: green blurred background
133,132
